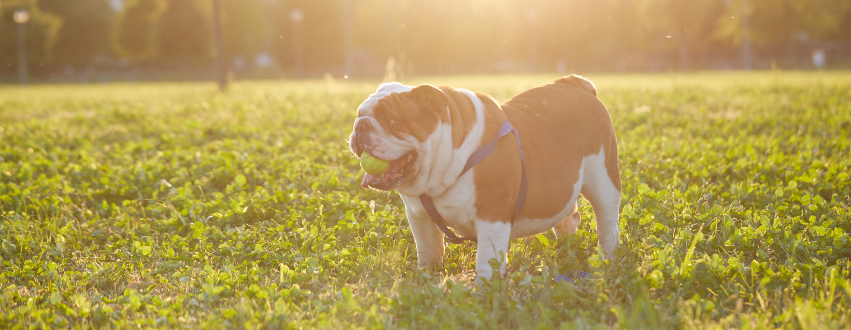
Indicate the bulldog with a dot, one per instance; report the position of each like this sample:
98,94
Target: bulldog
565,143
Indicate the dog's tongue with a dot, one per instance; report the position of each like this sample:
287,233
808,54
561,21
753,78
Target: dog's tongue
367,179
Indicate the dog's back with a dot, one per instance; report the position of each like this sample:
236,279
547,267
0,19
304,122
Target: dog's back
565,121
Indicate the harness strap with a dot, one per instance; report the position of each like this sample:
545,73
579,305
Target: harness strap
428,204
478,156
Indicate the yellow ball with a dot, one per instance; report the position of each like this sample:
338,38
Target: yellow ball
373,165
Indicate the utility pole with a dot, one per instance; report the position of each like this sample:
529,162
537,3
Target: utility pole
347,38
531,17
746,35
296,16
21,16
220,52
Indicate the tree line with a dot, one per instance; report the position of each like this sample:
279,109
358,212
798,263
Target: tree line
436,36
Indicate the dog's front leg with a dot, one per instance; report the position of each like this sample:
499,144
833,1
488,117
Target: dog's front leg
427,235
493,240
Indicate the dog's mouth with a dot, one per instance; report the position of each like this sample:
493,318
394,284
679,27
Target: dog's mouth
393,176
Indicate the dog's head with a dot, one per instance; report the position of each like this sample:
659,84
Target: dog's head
392,125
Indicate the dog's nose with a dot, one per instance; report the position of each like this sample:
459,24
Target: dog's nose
360,128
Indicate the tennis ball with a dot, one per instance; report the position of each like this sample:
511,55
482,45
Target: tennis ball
372,165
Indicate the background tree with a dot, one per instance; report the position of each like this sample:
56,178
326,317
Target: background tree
574,32
184,36
681,27
84,33
245,29
777,26
42,32
134,31
842,33
438,36
322,34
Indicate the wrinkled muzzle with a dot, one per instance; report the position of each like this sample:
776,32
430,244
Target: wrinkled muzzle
368,136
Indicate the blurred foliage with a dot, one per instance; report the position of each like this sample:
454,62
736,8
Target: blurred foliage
690,23
782,22
83,39
41,34
245,29
439,36
178,35
134,33
322,31
184,36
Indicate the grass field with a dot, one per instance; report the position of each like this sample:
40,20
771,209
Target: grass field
169,205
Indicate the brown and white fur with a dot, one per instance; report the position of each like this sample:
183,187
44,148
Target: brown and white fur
428,133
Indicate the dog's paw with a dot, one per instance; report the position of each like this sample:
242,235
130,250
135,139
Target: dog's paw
427,260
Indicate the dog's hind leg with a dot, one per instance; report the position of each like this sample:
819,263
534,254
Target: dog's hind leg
603,192
569,224
571,221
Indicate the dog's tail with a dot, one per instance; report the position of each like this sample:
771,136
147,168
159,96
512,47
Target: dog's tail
579,81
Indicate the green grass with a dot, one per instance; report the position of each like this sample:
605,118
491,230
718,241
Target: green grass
169,205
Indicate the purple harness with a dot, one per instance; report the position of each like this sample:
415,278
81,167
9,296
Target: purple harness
478,156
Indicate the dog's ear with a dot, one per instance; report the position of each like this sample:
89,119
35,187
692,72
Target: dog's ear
430,98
